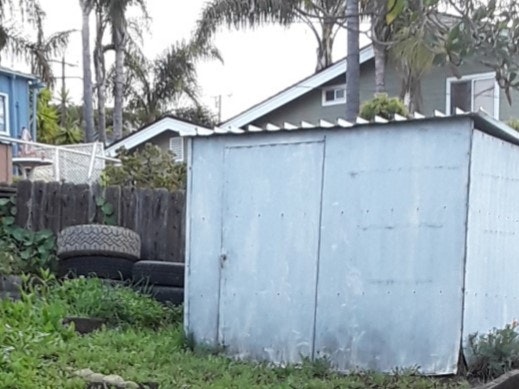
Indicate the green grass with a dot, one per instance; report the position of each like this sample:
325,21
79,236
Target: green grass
37,352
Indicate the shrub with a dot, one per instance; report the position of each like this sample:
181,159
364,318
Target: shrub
117,305
514,123
383,106
149,168
23,251
493,354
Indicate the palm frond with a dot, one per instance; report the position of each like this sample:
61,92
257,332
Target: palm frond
239,13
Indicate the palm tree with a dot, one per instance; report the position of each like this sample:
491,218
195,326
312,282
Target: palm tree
87,7
116,11
40,52
352,60
327,14
153,87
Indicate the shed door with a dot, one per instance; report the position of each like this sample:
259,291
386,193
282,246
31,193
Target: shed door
270,239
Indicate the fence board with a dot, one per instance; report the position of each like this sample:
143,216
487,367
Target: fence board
157,215
23,203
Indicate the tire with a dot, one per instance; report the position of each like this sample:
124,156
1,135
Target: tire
97,239
167,294
159,273
112,268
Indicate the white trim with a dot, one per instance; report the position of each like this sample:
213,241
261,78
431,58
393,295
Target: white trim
473,77
6,114
143,135
292,93
336,101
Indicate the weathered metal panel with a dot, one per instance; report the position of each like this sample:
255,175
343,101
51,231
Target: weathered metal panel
392,247
271,211
491,292
204,240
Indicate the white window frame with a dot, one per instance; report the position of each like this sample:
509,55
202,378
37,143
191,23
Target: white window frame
336,101
473,77
178,158
7,123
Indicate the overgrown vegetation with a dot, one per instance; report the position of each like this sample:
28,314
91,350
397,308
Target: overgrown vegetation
384,106
146,344
150,167
495,353
21,250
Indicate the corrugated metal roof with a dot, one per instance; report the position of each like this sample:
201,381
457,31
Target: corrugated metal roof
482,121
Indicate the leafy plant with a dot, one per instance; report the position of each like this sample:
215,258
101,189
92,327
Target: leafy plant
107,209
383,106
495,353
513,123
118,305
150,167
23,251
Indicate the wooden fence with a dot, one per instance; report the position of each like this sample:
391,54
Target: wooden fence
158,216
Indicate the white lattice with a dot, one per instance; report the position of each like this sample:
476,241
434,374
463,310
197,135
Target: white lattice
70,166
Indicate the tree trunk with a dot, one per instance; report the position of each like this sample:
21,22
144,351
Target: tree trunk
325,46
99,64
88,107
380,68
352,61
119,41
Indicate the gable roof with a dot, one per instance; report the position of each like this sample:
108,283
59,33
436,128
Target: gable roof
149,131
297,90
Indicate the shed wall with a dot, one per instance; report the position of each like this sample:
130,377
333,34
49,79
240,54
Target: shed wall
392,248
391,245
491,293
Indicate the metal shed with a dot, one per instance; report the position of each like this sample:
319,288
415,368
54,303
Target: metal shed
374,245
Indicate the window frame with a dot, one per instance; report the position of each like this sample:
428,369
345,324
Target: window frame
178,158
472,78
335,101
7,131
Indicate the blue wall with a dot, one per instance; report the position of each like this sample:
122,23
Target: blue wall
17,87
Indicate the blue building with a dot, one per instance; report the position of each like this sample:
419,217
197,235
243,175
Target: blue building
18,98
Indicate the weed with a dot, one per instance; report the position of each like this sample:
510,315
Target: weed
493,354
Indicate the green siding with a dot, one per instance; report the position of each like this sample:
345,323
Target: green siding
309,106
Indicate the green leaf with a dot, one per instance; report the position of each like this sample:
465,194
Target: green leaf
100,201
4,202
395,8
107,209
8,221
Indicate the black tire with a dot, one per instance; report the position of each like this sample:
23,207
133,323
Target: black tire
112,268
167,294
97,239
159,273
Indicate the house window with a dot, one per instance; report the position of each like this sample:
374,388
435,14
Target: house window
4,114
176,146
334,95
470,93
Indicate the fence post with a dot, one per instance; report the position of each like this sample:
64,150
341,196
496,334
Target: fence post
56,165
92,161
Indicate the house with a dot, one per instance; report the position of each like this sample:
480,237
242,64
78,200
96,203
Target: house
322,95
18,99
375,246
167,133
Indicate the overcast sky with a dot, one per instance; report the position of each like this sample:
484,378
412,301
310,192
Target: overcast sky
257,63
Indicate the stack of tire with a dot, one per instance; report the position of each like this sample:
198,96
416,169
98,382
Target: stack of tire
107,252
163,280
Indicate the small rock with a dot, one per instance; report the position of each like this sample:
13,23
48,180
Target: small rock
114,380
95,378
83,373
131,385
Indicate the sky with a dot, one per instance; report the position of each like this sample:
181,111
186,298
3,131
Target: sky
257,64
